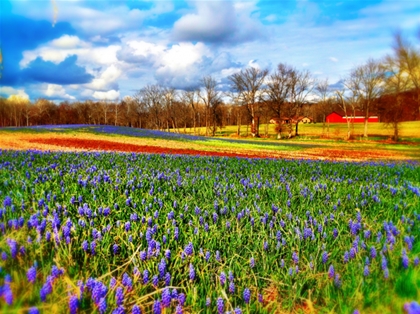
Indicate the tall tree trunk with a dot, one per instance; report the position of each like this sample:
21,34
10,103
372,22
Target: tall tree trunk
365,132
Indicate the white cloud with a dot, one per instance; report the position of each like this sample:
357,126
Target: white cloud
333,59
92,17
9,91
54,90
59,49
109,95
67,42
106,80
218,21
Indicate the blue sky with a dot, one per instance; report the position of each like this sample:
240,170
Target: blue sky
75,49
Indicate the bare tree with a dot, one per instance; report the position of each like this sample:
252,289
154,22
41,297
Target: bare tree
211,99
248,85
191,98
278,90
408,59
325,103
301,85
397,81
368,80
151,97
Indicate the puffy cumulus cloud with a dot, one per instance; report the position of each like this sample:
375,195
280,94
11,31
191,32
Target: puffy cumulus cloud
106,79
108,95
218,21
65,72
180,66
141,52
67,42
57,92
59,49
8,91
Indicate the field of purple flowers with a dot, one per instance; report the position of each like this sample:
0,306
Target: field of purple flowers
132,233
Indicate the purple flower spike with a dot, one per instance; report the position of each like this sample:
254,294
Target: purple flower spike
31,274
220,305
247,295
412,308
192,272
33,310
166,297
157,307
73,304
135,310
331,272
222,278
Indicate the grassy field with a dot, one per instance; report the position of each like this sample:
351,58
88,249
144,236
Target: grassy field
305,146
409,131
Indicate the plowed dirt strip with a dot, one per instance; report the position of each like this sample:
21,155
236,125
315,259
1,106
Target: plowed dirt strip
103,145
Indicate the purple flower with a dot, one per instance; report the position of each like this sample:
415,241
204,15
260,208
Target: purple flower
373,252
189,249
247,295
232,287
324,257
7,294
230,276
178,309
85,245
155,280
157,307
192,272
295,257
166,297
331,272
102,305
145,276
135,310
73,304
412,307
181,298
112,282
208,301
33,310
252,262
7,201
31,274
366,271
337,281
222,278
115,249
13,247
127,282
238,310
405,260
220,305
167,279
119,296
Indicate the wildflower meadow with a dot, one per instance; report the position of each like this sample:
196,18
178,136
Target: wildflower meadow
93,232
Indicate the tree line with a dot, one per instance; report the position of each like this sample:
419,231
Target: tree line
388,87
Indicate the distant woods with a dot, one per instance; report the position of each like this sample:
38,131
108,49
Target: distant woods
387,87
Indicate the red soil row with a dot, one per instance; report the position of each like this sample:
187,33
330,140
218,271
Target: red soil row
102,145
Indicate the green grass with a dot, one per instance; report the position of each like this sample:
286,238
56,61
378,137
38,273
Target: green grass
231,206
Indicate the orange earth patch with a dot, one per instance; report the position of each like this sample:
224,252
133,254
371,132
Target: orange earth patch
108,145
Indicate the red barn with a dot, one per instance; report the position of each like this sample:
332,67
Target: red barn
340,117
